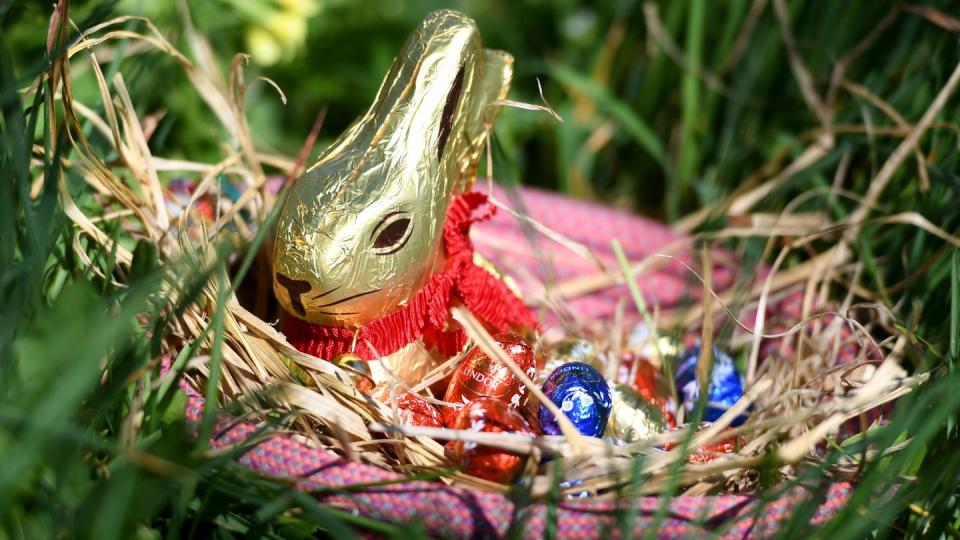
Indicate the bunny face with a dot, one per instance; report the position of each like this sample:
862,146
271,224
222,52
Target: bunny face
360,233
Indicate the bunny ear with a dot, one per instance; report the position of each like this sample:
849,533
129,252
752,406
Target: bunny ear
480,111
449,108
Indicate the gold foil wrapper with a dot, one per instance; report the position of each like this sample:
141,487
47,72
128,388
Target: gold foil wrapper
640,341
408,366
358,370
361,232
633,418
573,350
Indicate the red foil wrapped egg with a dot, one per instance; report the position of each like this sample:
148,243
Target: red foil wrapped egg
651,384
411,408
415,410
710,452
488,415
479,376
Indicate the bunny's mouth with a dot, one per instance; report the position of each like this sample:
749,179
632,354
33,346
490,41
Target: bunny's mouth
321,295
298,288
347,299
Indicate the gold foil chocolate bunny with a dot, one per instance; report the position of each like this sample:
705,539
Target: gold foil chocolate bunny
372,244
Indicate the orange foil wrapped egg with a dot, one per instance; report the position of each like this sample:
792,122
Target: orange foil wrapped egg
488,415
479,376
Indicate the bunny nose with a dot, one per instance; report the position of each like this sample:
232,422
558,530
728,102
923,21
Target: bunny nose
295,288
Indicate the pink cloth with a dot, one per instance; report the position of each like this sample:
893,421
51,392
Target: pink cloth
508,243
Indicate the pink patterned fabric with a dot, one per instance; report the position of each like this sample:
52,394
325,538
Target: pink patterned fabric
460,513
507,243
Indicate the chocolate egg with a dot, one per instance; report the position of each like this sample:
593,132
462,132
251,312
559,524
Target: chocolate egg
411,408
641,341
488,415
569,485
572,350
581,393
709,452
651,384
632,417
723,390
480,376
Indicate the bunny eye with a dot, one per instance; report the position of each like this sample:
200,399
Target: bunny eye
391,234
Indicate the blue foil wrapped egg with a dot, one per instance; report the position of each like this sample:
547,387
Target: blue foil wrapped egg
582,394
724,389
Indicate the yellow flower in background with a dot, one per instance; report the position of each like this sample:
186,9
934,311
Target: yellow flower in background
308,8
282,32
263,47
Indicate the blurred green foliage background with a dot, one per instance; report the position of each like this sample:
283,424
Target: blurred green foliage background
667,105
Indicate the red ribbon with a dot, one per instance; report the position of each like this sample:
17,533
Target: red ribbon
427,315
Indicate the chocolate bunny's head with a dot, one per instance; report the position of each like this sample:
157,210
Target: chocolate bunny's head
360,233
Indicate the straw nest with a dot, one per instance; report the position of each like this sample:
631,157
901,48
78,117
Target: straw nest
797,402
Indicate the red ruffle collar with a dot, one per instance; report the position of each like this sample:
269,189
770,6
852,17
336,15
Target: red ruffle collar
427,314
